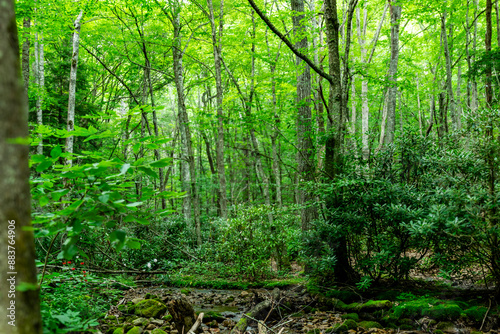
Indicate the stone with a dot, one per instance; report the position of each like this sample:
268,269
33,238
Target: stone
140,322
150,308
135,330
157,322
158,331
137,300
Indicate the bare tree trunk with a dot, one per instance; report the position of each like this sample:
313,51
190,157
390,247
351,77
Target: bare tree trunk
383,123
393,69
39,69
305,147
449,82
189,173
26,54
487,45
217,48
72,88
365,109
420,124
498,23
19,309
352,128
459,102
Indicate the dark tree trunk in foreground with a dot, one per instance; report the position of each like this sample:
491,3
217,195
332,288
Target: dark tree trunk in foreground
15,205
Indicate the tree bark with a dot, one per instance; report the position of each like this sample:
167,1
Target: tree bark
39,69
217,48
487,44
449,82
393,69
189,173
72,88
26,54
305,147
19,310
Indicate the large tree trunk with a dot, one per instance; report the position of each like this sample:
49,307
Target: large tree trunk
392,76
19,310
217,48
72,88
305,147
189,173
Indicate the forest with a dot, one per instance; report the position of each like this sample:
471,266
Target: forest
249,166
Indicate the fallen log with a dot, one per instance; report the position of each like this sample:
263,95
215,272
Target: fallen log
260,311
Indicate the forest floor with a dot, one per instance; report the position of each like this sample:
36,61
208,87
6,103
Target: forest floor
420,306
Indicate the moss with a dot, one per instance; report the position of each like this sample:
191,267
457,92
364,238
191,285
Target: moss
229,299
314,331
350,324
185,291
167,317
444,325
150,308
406,321
476,332
438,331
211,316
433,308
297,315
369,324
476,313
353,316
135,330
241,326
388,295
131,309
118,331
309,309
443,311
122,308
406,327
339,328
374,305
158,331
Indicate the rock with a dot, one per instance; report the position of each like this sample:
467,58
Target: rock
369,324
158,331
350,324
447,327
122,308
167,318
353,316
245,294
157,322
135,330
229,299
118,331
150,327
182,313
140,322
150,308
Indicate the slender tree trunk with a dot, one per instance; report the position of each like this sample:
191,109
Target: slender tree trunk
217,48
365,109
352,128
19,308
393,69
304,127
459,102
498,23
26,54
39,66
487,44
72,88
420,123
449,82
189,173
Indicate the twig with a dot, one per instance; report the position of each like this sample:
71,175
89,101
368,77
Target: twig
485,315
196,324
260,322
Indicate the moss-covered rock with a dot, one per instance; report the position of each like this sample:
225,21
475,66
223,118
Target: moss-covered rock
476,313
122,308
353,307
241,326
150,308
375,305
369,324
445,326
118,331
346,296
211,316
229,300
438,331
353,316
185,291
135,330
140,322
158,331
430,307
167,317
350,324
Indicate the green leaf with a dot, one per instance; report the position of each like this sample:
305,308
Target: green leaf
148,171
104,197
117,235
124,168
56,152
44,165
56,195
161,163
44,200
133,244
134,204
136,148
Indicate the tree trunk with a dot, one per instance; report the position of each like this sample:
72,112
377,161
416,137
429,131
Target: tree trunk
365,109
305,147
72,88
39,69
217,48
19,309
189,173
420,123
392,76
487,44
26,54
449,82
